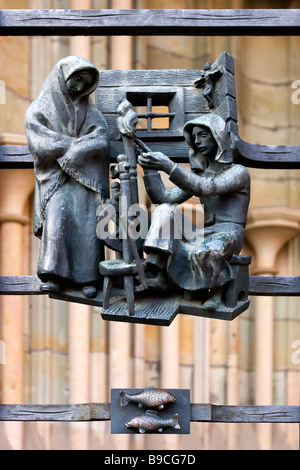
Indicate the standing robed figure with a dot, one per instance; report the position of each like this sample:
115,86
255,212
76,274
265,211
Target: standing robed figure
68,138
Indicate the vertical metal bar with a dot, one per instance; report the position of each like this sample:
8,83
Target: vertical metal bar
125,203
149,110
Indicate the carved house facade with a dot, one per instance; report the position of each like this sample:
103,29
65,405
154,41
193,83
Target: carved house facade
59,352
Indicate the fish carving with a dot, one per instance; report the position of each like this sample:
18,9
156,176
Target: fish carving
151,421
150,397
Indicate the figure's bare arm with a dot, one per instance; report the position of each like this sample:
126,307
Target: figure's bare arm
158,193
152,162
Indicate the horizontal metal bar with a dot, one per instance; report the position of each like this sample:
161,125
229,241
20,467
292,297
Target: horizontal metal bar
228,22
248,154
274,285
71,413
199,413
258,285
20,285
156,115
245,414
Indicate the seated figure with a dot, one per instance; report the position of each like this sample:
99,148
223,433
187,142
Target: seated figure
200,262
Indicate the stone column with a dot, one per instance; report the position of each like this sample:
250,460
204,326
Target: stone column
121,46
170,364
79,314
120,367
232,390
268,230
16,186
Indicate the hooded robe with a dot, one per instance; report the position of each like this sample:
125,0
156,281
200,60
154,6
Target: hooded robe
198,259
70,147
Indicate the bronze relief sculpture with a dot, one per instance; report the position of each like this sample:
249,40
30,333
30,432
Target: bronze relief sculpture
68,138
173,266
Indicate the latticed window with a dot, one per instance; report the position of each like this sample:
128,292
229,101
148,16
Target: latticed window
155,117
160,112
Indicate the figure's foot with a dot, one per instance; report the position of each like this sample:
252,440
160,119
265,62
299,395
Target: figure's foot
89,291
50,286
211,304
214,301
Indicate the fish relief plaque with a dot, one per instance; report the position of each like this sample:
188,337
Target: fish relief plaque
150,410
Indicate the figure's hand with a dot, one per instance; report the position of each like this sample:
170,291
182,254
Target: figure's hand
156,161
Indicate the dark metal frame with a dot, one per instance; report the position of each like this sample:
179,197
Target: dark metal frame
283,22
